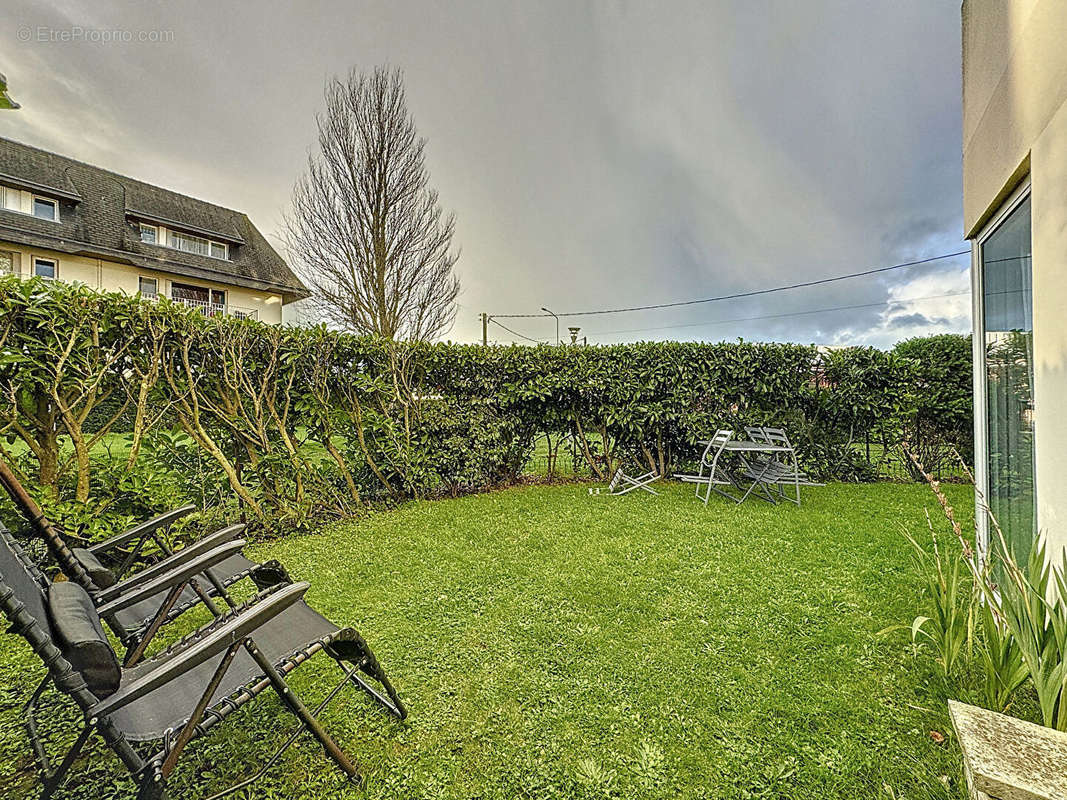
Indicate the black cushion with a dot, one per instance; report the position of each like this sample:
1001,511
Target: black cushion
102,577
81,639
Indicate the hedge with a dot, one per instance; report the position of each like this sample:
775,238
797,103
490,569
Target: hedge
112,403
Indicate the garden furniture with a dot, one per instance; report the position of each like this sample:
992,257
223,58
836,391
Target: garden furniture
621,483
777,469
759,473
162,591
710,475
147,714
767,462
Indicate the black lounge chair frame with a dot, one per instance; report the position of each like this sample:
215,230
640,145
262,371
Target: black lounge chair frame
226,635
162,584
125,548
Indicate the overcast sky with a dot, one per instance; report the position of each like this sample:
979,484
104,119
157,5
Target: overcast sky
596,155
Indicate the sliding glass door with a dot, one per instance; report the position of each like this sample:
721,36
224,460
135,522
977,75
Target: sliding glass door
1007,338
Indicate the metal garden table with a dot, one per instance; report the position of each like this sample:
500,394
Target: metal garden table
759,474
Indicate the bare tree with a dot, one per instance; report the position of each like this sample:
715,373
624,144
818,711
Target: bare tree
375,247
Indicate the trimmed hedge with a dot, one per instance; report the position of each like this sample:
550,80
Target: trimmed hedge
114,403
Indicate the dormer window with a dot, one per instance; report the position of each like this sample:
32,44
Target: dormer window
9,198
163,235
26,202
45,208
197,244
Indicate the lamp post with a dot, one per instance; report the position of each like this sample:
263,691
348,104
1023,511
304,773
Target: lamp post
557,322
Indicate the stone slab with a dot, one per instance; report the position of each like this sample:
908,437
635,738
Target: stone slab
1010,759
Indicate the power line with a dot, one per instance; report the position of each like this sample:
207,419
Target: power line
738,295
778,316
521,336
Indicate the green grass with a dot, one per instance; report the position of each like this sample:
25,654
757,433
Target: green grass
552,644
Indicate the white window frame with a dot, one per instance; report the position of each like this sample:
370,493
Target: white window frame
7,192
155,232
43,199
981,405
171,233
55,268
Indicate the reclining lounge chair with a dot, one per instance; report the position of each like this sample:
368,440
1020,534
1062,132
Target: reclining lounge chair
158,594
149,713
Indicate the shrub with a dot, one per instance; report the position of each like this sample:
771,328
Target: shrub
113,399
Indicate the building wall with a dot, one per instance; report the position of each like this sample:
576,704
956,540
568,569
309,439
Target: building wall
111,276
1015,124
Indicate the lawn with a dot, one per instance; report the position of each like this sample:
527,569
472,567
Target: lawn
551,644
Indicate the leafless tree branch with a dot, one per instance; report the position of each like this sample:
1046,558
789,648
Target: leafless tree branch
374,244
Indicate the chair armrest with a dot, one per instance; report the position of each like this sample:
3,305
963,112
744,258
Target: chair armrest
164,580
241,627
176,561
144,529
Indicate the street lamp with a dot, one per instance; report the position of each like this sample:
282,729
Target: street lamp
557,322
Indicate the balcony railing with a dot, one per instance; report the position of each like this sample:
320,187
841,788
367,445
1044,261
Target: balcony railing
217,309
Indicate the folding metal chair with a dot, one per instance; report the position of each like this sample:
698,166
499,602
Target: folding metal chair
710,469
621,483
784,471
756,434
158,594
148,714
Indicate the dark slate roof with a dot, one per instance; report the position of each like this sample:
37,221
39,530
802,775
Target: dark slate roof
99,214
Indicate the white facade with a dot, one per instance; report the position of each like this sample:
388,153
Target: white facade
110,276
1015,213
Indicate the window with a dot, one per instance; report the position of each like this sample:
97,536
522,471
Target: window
197,244
208,301
10,198
149,233
190,244
190,294
44,268
44,208
1007,372
148,287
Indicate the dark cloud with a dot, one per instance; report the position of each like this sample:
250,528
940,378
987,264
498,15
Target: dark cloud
596,154
909,320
